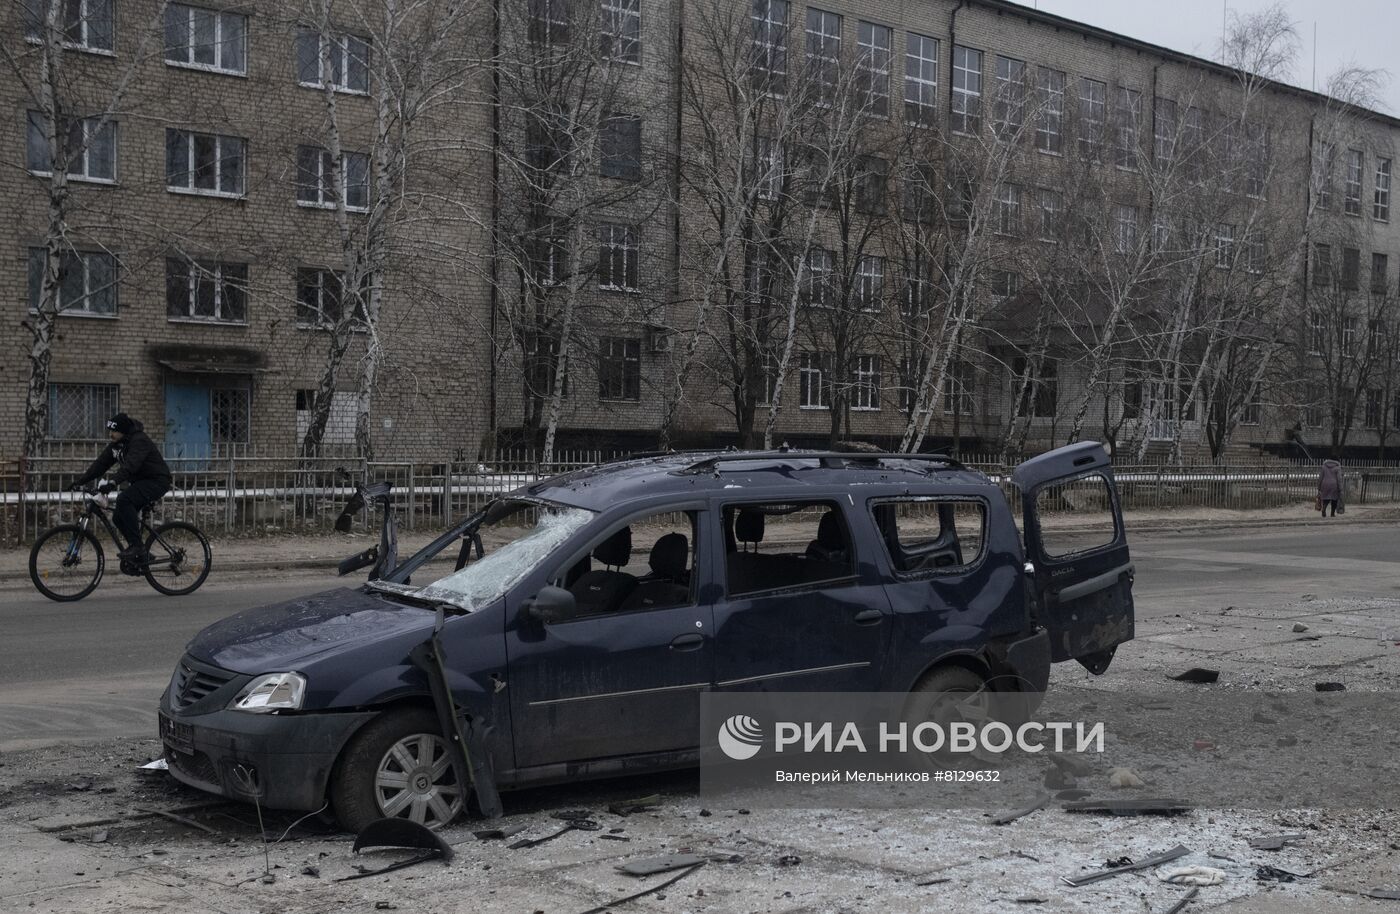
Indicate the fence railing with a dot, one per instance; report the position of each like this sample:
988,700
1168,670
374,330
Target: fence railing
238,495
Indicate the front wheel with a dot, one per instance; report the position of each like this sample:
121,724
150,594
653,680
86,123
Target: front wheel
179,558
66,563
397,766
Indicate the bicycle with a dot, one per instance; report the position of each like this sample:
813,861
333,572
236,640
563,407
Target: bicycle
67,561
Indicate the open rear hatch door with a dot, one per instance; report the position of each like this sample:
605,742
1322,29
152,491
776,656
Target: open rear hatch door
1075,541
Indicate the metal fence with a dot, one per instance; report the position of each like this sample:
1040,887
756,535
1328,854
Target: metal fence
249,495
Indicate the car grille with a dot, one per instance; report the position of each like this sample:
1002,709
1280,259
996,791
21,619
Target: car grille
196,766
192,685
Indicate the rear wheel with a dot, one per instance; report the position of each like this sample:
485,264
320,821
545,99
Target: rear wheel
66,563
398,766
180,558
944,696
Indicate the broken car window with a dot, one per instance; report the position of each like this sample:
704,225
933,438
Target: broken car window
644,564
785,545
931,534
1075,516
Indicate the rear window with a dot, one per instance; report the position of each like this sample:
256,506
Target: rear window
932,535
783,545
1075,516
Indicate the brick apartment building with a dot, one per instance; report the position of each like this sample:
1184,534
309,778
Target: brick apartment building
205,252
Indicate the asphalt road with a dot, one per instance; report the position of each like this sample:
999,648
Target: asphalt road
96,668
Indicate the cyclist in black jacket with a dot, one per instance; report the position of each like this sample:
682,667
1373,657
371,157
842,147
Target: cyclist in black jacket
139,465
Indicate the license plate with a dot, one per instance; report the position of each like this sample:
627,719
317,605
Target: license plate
177,736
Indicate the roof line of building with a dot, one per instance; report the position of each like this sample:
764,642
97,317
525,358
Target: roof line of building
1061,22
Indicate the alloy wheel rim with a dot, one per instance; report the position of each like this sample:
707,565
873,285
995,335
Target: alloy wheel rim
415,781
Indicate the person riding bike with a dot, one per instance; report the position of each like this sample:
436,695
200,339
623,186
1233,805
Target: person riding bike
139,465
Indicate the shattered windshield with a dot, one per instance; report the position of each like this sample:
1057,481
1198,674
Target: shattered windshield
517,536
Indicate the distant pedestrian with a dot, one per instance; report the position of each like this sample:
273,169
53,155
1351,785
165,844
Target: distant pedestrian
1329,487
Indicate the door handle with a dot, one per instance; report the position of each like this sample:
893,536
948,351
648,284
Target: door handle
868,617
690,642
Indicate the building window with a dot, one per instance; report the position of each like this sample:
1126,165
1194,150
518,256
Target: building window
918,288
824,53
228,415
1125,236
770,168
816,284
316,178
620,368
1040,397
1349,337
320,299
1256,163
87,24
621,152
1380,267
348,66
79,412
910,377
919,201
967,90
340,421
1052,204
1249,412
92,152
769,381
1380,206
1317,332
1127,115
1093,112
550,260
206,39
549,21
1224,245
920,80
872,184
1322,265
204,163
1004,284
618,255
873,67
1009,104
958,389
870,282
865,391
87,282
1351,191
1312,406
1050,97
204,290
1375,406
1351,269
1008,210
1163,131
622,31
769,45
1323,166
1254,253
814,375
1161,233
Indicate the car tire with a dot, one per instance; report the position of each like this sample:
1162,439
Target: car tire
397,765
925,702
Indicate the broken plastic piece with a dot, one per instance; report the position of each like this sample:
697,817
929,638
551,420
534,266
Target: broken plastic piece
1274,874
159,764
1387,894
650,866
1009,817
1274,842
1193,875
402,833
1146,863
645,892
1198,675
1163,806
1185,900
498,834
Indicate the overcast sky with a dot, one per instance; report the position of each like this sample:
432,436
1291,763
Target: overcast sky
1348,31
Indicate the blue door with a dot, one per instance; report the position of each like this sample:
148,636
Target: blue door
186,426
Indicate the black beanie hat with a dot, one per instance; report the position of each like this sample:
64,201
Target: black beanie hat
121,422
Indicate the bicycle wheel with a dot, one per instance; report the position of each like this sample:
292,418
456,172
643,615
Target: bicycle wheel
66,563
179,558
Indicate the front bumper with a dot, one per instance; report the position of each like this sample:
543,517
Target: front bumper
284,761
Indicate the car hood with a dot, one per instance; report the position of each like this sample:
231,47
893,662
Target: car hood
285,636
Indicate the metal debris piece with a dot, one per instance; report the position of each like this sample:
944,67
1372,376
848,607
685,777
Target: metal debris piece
311,870
1185,900
932,880
1274,874
569,815
1031,899
650,866
1386,894
1329,687
498,834
571,825
1114,862
1274,842
641,804
789,860
181,819
1137,806
1145,863
385,906
1009,817
645,892
1197,675
725,855
615,837
1193,875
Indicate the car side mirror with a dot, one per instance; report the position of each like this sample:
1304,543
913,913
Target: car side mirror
551,605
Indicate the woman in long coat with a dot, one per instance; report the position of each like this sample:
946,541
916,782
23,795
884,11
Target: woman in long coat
1329,486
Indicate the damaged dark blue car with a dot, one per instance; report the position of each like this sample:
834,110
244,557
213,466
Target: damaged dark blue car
568,629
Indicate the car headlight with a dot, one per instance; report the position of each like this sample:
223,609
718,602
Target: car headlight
273,692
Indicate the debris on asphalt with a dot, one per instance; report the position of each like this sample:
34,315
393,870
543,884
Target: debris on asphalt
177,818
1299,628
571,825
311,870
1072,764
1382,893
1185,900
650,866
402,833
1137,806
1059,779
641,804
1119,778
1113,862
645,892
1202,745
1274,874
1284,741
99,837
1214,856
724,855
614,837
1274,842
1329,687
1008,817
1031,899
789,860
385,906
1193,875
154,767
1197,675
1146,863
932,880
498,834
570,815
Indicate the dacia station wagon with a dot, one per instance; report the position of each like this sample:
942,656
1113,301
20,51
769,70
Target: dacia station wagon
587,612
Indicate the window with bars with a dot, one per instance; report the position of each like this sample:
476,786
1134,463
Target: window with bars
88,25
206,39
316,185
769,45
865,383
1351,189
870,283
1009,103
79,412
1125,235
1164,127
346,67
618,258
814,376
966,111
1093,113
1380,204
620,368
1127,115
873,67
229,411
620,155
823,53
817,279
1050,98
87,282
920,80
204,163
621,33
206,290
1008,210
91,147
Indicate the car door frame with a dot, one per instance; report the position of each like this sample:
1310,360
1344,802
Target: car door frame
1083,598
